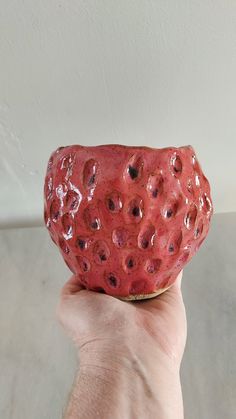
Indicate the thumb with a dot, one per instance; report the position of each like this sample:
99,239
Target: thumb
72,286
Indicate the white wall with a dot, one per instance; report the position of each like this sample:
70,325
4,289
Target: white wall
137,72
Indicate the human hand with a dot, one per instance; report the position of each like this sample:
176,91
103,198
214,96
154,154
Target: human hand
95,319
146,339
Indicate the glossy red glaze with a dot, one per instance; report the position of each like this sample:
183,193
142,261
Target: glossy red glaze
126,219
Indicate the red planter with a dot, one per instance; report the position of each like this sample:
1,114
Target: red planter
126,219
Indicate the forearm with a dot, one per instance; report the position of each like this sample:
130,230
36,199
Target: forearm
125,389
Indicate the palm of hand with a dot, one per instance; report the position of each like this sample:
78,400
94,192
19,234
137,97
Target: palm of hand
93,318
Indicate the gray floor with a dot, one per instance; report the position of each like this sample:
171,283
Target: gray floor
37,362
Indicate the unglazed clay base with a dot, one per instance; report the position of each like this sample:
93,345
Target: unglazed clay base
144,296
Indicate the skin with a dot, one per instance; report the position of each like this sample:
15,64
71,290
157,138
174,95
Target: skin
130,353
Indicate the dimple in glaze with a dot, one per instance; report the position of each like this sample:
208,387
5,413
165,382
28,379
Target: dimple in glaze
126,219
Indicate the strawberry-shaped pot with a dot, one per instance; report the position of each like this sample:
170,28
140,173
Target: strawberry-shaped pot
126,219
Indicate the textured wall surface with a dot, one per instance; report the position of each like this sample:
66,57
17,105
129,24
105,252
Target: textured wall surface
145,72
37,361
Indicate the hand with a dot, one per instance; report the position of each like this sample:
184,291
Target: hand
91,319
145,338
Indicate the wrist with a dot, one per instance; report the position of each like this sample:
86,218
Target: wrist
147,384
126,354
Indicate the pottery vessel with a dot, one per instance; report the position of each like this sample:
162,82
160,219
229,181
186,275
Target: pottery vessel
126,219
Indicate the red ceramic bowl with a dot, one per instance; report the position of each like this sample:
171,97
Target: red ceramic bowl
126,219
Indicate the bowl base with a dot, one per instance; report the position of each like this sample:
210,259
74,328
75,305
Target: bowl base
143,296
